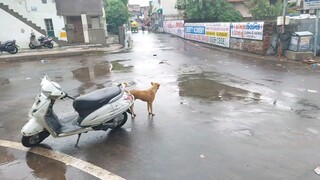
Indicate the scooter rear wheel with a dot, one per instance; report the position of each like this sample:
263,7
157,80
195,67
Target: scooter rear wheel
14,50
34,140
50,46
122,121
31,46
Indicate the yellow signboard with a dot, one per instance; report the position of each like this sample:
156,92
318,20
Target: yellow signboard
217,34
63,34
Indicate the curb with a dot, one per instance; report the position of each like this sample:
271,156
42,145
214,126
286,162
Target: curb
58,54
238,52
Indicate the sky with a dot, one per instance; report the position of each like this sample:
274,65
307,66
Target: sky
140,2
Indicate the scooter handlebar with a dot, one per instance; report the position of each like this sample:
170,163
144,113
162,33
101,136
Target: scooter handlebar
69,97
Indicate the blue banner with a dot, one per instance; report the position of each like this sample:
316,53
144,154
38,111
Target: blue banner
194,29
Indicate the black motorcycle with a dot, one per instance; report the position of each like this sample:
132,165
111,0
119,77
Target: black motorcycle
41,41
9,46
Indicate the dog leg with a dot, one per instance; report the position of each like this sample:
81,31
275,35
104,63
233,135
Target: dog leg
133,115
151,109
148,107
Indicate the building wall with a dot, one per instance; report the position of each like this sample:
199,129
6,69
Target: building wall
168,7
12,28
36,11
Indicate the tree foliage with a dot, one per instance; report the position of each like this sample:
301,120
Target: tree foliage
209,10
263,10
116,14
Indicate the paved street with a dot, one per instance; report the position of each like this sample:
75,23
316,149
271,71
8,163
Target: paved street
219,115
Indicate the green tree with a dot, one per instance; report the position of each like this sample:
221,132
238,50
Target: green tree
209,10
116,14
263,10
125,2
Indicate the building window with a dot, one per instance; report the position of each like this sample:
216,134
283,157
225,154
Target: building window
49,27
44,1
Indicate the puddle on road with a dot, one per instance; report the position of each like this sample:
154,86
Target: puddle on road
214,91
33,166
89,76
117,66
85,74
4,81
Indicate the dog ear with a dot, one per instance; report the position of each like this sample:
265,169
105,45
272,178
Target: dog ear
151,83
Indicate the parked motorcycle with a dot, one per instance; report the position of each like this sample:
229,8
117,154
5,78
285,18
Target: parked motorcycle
9,46
44,41
99,110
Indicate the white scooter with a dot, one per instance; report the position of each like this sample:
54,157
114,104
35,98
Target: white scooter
99,110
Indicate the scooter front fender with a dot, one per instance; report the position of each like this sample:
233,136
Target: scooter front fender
31,128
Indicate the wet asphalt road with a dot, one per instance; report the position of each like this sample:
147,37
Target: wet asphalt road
218,115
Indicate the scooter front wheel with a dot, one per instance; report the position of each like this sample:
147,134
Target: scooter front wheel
34,140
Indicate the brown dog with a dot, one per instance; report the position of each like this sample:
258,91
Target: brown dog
147,96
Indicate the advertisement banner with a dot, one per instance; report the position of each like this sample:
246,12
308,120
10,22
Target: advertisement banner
311,4
175,27
247,30
211,33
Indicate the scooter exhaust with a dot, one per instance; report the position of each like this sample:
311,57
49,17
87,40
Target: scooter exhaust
105,126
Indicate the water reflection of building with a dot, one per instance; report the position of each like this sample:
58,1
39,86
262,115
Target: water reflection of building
101,69
85,74
82,74
4,81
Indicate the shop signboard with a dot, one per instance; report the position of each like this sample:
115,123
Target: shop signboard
311,4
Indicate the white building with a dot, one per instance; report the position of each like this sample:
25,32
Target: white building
20,17
163,10
67,21
169,10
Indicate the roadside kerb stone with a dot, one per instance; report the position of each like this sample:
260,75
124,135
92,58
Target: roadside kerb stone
56,53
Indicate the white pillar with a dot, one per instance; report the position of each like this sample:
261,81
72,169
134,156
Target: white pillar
85,27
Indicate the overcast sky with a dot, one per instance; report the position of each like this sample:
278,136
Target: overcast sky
141,2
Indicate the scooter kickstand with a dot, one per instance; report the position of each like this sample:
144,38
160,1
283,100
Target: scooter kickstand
79,135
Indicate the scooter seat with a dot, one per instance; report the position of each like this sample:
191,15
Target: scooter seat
88,103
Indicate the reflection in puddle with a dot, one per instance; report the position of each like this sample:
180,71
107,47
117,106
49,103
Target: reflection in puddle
85,74
89,75
82,74
4,81
101,69
214,91
44,167
117,66
5,157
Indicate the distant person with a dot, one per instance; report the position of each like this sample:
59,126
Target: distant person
142,27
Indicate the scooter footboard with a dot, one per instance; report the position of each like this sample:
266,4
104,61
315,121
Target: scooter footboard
31,128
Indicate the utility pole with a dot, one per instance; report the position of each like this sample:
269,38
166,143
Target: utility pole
280,48
315,41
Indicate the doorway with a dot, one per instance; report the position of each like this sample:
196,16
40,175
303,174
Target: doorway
75,34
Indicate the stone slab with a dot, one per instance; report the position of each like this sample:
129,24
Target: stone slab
298,56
